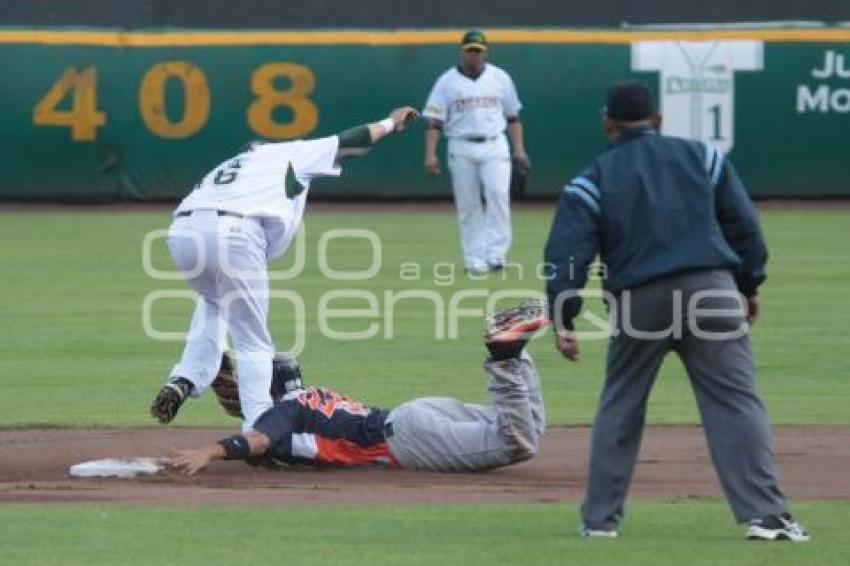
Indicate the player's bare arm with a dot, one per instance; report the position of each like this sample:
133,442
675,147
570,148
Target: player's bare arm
432,138
239,447
515,131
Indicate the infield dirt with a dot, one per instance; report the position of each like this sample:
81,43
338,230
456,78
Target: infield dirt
674,464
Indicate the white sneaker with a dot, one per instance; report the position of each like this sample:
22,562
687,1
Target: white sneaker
477,268
597,533
777,527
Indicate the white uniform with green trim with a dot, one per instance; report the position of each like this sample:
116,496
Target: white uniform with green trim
474,113
243,214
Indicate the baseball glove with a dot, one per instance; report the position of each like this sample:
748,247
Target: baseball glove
286,377
226,388
520,170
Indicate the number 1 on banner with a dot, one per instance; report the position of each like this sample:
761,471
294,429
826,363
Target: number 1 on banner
83,118
715,116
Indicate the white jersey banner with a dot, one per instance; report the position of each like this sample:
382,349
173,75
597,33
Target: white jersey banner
697,85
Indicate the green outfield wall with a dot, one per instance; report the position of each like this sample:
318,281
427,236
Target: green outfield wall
102,115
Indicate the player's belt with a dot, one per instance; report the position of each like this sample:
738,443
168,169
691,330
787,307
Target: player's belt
478,139
219,212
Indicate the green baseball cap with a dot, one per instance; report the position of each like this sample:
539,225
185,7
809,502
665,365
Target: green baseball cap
474,39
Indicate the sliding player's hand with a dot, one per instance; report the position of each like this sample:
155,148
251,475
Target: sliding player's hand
190,462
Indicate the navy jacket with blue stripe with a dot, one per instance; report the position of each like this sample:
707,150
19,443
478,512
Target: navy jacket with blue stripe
652,206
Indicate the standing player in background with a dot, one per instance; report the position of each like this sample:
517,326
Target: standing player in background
473,103
243,214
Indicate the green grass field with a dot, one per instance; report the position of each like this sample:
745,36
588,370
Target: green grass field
657,534
75,353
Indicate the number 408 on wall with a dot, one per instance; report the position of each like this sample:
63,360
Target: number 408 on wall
83,117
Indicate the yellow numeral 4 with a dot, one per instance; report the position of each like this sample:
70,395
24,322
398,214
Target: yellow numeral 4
83,118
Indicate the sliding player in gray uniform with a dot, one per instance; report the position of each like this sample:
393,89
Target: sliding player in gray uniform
243,214
472,104
318,425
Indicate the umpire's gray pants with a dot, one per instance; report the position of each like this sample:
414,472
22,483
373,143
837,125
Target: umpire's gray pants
438,433
723,379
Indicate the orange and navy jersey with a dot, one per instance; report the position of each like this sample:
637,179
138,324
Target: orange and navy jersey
320,426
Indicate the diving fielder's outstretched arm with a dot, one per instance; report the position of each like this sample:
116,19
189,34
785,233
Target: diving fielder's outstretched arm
359,139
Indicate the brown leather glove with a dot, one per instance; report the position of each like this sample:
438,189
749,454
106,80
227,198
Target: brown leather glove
226,388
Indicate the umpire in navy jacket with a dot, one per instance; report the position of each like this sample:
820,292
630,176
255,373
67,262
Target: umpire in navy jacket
682,258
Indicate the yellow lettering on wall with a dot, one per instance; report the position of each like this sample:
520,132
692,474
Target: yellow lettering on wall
83,118
196,99
305,114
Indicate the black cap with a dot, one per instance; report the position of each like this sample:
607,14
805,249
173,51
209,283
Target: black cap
629,101
474,39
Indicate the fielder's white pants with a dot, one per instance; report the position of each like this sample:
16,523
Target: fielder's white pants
481,179
224,259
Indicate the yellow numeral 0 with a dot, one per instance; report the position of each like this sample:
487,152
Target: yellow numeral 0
196,105
305,114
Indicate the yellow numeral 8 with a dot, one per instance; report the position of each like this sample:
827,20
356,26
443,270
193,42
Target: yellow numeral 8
305,114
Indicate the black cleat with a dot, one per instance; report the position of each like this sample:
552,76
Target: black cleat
169,399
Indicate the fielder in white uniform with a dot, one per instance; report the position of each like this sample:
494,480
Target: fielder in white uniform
243,214
473,103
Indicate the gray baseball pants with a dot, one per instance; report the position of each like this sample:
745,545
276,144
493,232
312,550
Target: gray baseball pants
711,339
443,434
